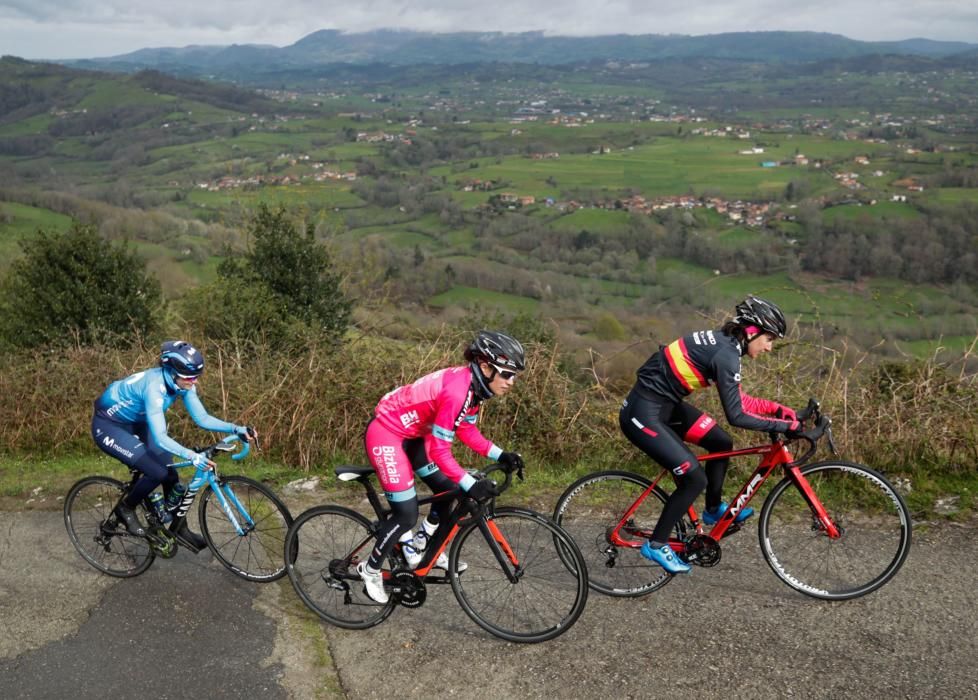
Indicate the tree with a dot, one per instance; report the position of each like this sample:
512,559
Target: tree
281,287
607,327
76,287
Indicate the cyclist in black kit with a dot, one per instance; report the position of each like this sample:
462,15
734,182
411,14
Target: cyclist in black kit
657,420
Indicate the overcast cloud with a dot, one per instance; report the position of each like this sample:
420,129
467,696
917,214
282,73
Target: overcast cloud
89,28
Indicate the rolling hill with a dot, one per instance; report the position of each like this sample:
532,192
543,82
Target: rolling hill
396,47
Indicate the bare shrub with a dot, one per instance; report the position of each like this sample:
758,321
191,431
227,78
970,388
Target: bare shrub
312,406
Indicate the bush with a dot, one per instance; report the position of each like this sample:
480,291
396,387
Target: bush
241,314
75,288
311,405
278,292
607,327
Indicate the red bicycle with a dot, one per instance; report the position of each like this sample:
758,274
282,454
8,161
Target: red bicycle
832,530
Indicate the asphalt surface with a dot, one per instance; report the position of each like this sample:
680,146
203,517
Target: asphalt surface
185,624
189,626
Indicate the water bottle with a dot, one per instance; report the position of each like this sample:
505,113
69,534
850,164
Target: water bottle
424,533
411,555
156,500
176,495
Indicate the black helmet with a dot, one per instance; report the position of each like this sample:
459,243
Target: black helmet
498,348
754,311
183,358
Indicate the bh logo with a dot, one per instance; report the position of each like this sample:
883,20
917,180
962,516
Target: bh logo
409,418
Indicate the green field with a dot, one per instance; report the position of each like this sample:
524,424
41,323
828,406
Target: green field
471,297
954,195
880,211
124,151
669,166
593,220
19,221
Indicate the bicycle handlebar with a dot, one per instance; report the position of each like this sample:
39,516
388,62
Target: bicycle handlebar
508,470
822,426
224,445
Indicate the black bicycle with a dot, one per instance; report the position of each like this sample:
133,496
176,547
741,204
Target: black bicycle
526,580
243,522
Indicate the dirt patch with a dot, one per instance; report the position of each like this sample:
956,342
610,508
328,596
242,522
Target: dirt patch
301,647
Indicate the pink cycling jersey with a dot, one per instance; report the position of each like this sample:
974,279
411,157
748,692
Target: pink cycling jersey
438,407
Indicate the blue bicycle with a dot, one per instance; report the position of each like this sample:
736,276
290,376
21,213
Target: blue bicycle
243,522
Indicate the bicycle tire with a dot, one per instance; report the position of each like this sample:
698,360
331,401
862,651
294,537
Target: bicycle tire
97,535
321,558
875,523
591,507
548,596
256,555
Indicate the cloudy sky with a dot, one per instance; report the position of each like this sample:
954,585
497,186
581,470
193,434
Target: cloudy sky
89,28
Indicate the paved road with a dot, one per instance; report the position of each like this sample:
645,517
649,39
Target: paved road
734,629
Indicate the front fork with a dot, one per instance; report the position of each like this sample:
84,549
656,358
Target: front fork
231,505
821,518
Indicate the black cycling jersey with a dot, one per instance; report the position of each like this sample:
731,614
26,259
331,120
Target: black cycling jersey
694,362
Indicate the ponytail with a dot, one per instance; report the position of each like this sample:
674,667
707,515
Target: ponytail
734,330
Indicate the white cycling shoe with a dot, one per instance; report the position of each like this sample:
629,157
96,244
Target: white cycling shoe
442,563
373,583
413,558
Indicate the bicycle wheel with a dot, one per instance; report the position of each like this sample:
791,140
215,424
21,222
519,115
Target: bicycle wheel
873,520
547,596
257,554
98,535
325,544
592,507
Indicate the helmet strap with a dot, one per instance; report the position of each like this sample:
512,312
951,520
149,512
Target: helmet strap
481,382
170,380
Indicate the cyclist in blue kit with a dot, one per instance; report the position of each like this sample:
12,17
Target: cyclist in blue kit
129,425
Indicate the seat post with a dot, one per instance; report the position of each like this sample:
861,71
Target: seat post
373,498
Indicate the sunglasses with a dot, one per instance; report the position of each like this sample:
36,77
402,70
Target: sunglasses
506,374
188,377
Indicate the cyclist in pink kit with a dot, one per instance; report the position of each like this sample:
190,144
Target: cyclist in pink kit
412,433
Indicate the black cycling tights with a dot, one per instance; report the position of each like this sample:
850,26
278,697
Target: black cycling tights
657,427
404,514
130,443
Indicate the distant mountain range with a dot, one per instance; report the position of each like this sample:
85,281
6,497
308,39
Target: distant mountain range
396,47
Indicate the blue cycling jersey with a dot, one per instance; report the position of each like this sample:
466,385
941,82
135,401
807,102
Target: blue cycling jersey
145,396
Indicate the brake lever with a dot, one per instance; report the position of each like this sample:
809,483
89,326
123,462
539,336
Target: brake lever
828,435
519,473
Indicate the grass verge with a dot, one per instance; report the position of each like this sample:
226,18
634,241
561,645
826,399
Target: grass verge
40,484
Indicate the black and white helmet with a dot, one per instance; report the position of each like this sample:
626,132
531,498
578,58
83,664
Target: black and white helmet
500,349
183,358
754,311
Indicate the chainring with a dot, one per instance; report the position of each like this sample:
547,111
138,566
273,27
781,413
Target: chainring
409,590
162,542
702,550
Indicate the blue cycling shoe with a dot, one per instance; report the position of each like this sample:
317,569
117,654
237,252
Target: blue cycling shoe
710,518
664,557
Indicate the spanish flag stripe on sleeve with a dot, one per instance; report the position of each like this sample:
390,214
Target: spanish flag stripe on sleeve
685,371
